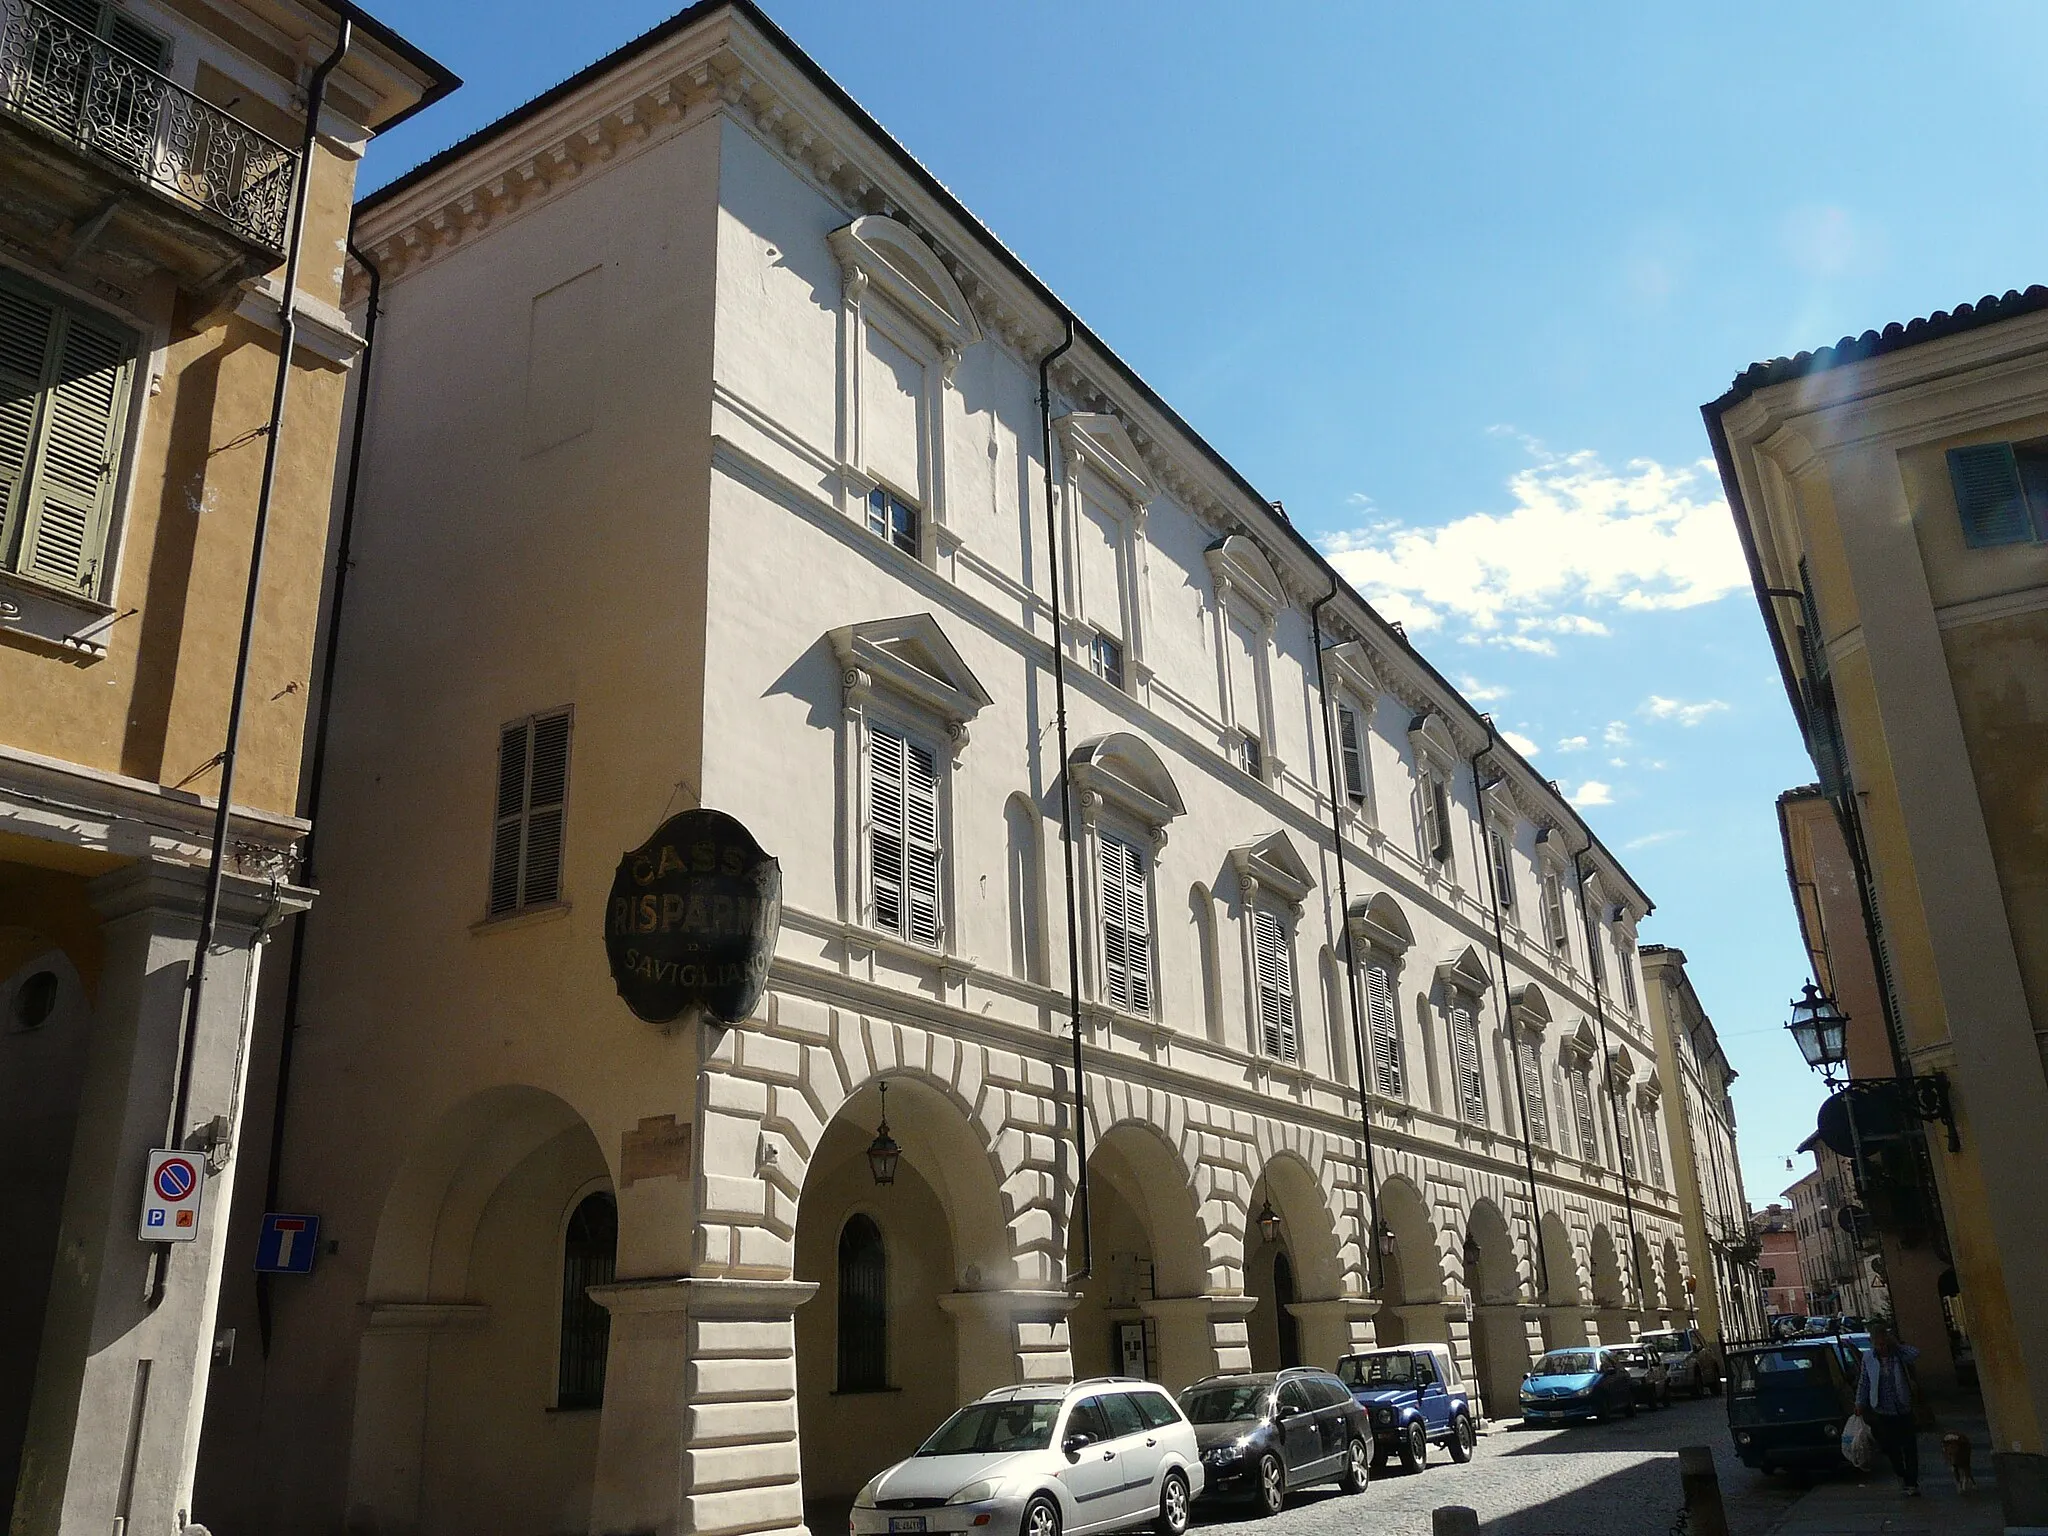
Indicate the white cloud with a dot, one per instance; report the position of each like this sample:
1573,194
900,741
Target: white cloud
1651,839
1616,734
1573,744
1520,743
1480,693
1657,707
1592,792
1617,762
1579,535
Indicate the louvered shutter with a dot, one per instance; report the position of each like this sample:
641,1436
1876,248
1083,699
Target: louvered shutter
1352,751
1653,1147
1564,1110
1624,1138
1126,928
72,487
547,803
1385,1026
1582,1105
1553,915
885,826
1273,964
1990,499
1531,1060
921,843
1503,869
1432,820
26,325
510,825
1465,1062
1440,814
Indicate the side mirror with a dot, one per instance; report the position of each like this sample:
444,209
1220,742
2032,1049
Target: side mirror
1286,1411
1077,1442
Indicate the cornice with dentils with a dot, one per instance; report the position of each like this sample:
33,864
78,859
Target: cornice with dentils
732,61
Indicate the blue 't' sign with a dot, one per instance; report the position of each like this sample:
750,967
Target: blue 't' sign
286,1244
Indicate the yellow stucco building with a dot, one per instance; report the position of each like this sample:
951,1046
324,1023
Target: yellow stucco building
153,156
1890,495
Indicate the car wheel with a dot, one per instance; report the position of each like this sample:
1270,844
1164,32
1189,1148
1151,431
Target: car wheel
1041,1518
1357,1467
1463,1437
1173,1506
1414,1448
1272,1485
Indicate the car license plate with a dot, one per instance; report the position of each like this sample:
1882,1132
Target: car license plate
905,1523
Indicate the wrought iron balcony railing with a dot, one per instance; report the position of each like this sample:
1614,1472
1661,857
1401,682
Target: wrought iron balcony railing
63,80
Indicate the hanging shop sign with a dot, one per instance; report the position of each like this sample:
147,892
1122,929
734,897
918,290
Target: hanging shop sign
692,920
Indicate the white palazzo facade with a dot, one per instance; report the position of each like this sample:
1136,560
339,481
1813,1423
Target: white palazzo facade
706,465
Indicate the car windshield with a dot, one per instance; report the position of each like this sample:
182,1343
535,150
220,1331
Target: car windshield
1376,1371
980,1429
1225,1404
1567,1362
1670,1343
1771,1370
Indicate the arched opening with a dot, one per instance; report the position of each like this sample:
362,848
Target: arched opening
1149,1249
1300,1264
482,1363
1500,1350
590,1255
1411,1271
1564,1314
880,1359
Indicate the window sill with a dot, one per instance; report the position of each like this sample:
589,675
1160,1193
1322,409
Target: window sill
527,917
50,616
862,1391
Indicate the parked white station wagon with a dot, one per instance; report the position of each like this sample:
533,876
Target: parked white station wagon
1059,1459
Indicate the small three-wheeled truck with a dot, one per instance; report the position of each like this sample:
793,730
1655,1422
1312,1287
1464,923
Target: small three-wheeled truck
1788,1402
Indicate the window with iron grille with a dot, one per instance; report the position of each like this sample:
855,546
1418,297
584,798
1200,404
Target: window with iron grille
589,1257
893,520
1273,973
533,793
1126,927
863,1307
1383,1024
903,836
1529,1055
1351,749
66,376
1466,1073
1582,1110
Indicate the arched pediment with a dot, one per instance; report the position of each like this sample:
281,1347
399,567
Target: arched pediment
1529,1007
1273,864
910,275
1466,972
1126,771
1238,565
1621,1067
1379,921
1101,442
1432,740
911,657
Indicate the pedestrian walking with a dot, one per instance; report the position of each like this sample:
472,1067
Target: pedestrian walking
1884,1401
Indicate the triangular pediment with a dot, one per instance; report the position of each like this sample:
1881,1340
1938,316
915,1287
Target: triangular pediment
1103,444
912,657
1274,864
1466,973
1351,664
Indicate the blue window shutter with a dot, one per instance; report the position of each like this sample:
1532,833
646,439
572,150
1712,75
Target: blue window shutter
1989,497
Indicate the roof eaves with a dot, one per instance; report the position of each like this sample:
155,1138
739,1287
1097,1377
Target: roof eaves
441,80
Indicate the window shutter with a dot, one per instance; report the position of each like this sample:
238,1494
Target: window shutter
921,843
1432,817
1274,967
1465,1061
136,40
1582,1104
1653,1149
1385,1026
1532,1088
505,838
1990,499
1553,915
26,323
1440,807
1352,752
1126,927
547,803
885,827
1503,869
1564,1113
1625,1141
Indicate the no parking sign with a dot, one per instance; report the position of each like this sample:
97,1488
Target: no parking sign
170,1197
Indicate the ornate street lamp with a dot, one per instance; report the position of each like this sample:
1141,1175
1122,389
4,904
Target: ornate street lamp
1821,1029
883,1153
1269,1222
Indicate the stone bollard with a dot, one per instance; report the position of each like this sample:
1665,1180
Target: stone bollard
1702,1485
1453,1520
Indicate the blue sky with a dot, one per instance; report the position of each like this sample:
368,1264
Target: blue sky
1453,282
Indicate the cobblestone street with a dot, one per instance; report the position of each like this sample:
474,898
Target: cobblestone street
1601,1479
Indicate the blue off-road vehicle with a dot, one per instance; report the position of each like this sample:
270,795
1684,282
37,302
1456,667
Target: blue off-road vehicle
1415,1400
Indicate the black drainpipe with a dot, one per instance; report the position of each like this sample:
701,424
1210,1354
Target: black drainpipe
1500,1018
1081,1218
209,917
316,771
1370,1238
1593,966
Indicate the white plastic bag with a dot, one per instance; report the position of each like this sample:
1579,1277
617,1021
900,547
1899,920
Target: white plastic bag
1859,1445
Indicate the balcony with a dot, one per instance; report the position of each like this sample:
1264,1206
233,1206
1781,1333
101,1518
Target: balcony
105,157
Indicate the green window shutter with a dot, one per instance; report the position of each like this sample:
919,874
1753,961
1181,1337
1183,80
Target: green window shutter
26,325
71,493
1989,497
